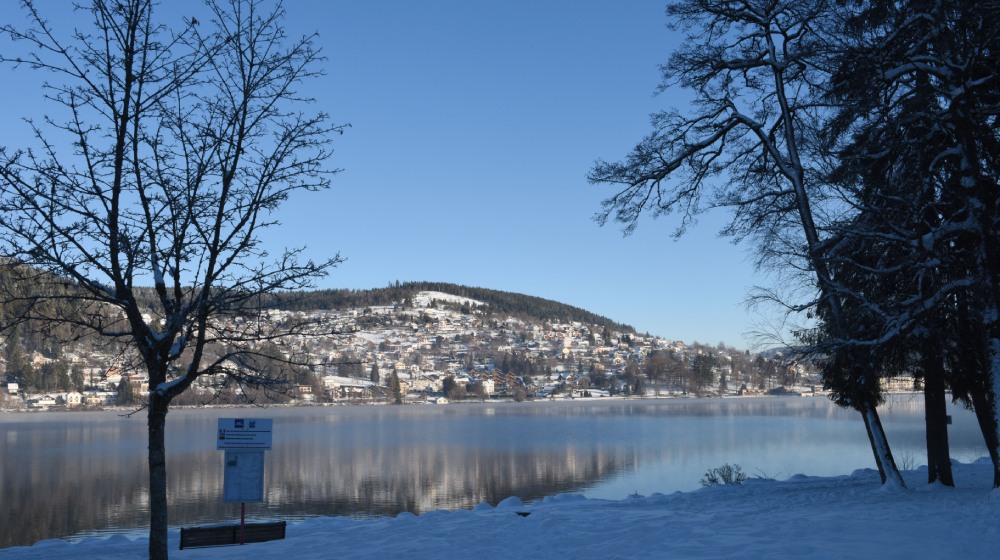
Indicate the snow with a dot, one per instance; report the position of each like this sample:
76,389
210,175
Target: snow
849,516
162,388
423,299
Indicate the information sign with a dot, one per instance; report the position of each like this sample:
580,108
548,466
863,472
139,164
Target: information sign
244,433
244,476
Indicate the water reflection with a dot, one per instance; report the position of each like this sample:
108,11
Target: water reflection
64,474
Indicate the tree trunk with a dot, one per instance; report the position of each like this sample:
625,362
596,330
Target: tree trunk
992,368
156,426
936,419
984,408
887,469
992,399
984,401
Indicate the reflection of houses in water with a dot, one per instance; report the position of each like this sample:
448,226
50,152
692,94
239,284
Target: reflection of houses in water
356,461
381,460
56,498
366,480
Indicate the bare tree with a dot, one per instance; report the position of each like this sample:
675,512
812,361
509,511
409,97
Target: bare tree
753,67
163,162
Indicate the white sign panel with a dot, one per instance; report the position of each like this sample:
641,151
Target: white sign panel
244,476
244,433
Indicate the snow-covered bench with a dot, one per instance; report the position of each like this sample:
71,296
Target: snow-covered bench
216,535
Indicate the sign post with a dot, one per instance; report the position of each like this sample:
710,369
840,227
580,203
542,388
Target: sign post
244,440
244,433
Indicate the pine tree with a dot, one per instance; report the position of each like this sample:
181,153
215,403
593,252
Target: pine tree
917,89
374,375
395,388
125,394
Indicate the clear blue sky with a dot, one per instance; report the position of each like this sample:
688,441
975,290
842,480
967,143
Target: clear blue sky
473,126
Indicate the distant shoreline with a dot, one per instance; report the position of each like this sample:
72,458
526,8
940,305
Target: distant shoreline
132,410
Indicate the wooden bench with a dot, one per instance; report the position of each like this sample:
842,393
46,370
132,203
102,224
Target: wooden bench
217,535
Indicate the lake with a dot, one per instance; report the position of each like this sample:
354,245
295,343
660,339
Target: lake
74,474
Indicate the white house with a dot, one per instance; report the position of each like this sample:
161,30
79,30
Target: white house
43,402
489,386
73,398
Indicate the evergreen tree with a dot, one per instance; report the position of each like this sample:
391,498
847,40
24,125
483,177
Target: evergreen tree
701,371
125,395
637,387
916,90
76,378
25,374
395,388
19,368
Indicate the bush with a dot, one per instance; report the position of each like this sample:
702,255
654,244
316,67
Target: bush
726,474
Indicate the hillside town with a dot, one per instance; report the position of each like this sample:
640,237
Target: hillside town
439,348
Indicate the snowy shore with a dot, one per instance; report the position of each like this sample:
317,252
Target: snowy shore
830,517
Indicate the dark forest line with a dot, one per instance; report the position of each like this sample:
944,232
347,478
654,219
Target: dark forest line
498,302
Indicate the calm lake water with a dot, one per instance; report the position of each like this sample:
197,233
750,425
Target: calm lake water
65,475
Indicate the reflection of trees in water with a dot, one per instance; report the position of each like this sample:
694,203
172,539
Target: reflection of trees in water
59,477
63,474
417,479
365,473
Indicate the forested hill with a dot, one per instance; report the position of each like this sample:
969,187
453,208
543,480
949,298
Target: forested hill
498,302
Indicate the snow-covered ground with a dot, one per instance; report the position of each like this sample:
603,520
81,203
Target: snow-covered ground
423,299
802,517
